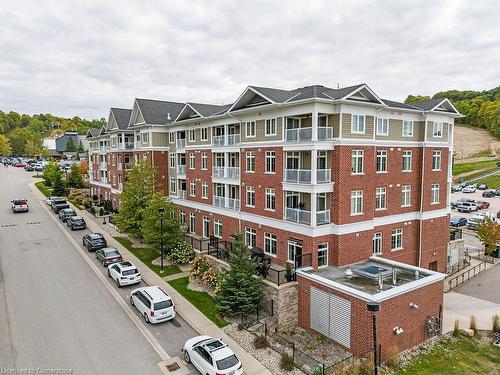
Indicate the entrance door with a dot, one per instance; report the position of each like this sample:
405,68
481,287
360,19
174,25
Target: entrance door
295,253
206,227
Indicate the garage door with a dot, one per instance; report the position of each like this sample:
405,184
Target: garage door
331,316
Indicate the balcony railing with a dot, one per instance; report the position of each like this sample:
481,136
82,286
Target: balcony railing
233,139
181,143
103,148
181,194
302,176
298,135
297,215
125,146
181,169
323,176
219,201
322,217
231,203
128,166
218,172
226,172
220,140
103,165
324,133
120,166
103,180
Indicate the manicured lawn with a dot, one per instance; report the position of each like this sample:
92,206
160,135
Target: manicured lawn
492,181
201,300
469,167
45,190
464,355
147,255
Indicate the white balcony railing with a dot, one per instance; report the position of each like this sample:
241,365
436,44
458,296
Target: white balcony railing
182,194
120,186
181,143
226,172
324,133
219,201
233,139
220,140
181,169
297,215
218,172
322,217
120,166
103,165
302,176
323,176
103,180
233,204
298,135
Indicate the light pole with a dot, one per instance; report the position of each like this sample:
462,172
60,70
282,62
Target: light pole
374,307
161,210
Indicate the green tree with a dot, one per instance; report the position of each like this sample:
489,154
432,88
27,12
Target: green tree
416,98
80,149
58,188
137,191
70,145
49,172
5,148
150,226
32,148
240,290
488,232
74,178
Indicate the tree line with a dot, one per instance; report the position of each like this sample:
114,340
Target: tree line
22,134
480,108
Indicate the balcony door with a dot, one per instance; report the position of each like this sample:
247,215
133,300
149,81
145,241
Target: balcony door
292,200
206,227
292,123
292,160
295,253
321,160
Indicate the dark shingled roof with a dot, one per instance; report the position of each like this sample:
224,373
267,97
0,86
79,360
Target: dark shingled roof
93,132
122,117
392,103
206,110
156,112
427,105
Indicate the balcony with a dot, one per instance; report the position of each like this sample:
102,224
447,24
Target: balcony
323,176
103,180
298,216
232,173
103,165
301,176
181,169
125,146
128,166
182,194
232,203
322,217
219,201
298,135
220,140
325,133
103,148
181,143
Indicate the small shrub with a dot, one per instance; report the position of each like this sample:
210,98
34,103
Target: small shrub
366,366
496,323
286,362
205,271
259,342
473,323
392,357
182,253
456,327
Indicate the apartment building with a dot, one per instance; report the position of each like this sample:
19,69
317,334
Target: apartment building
323,179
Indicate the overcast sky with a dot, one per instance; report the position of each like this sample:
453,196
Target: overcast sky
81,57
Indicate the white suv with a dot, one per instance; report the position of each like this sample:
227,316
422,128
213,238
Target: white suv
153,303
211,356
124,273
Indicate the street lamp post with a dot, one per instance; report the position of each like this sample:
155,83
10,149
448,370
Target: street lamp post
374,307
161,210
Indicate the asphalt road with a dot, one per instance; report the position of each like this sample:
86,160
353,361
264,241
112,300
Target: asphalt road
484,286
55,312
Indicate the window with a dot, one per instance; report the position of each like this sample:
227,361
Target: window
269,243
437,129
357,124
204,160
295,252
172,160
250,237
380,198
382,161
250,201
192,188
382,126
377,243
250,161
171,137
434,193
436,160
270,162
182,216
270,199
357,161
322,121
250,129
356,202
406,161
322,255
192,160
192,135
407,128
173,185
218,228
271,126
192,223
406,196
204,134
397,239
145,137
204,190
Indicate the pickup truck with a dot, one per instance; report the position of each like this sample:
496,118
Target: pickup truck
478,219
20,205
466,207
59,204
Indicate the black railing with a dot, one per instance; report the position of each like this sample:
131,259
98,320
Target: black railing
219,248
455,234
200,244
303,260
460,265
459,279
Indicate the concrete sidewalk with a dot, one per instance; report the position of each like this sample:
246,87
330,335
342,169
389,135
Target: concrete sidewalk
184,308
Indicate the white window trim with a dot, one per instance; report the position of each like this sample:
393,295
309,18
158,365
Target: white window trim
362,206
275,241
201,134
412,129
327,248
440,160
381,243
254,129
247,190
402,245
362,163
193,132
385,199
432,194
386,161
402,194
411,162
204,184
192,157
266,134
434,123
274,194
357,124
376,127
270,157
246,161
217,224
206,158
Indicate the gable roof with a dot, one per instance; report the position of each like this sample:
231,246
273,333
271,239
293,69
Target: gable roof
159,112
198,110
122,117
392,103
93,132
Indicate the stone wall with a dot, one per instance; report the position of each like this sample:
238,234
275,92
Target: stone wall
285,303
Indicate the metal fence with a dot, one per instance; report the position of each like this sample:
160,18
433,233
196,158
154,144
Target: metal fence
459,279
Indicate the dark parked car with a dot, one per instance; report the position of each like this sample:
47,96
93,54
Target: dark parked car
94,241
482,205
497,192
76,222
498,214
29,168
482,186
66,213
107,256
59,204
488,194
458,221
